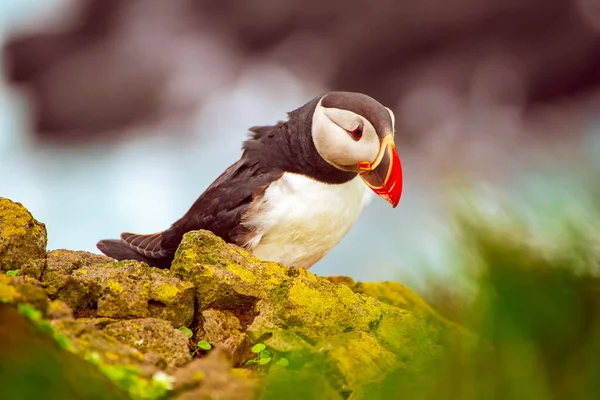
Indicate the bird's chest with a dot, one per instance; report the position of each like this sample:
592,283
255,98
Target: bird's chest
302,219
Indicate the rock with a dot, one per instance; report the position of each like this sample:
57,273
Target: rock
359,358
293,310
212,377
61,263
224,328
58,309
17,290
128,289
22,238
124,317
34,366
89,341
393,294
151,335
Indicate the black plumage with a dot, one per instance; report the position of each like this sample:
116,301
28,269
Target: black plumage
269,152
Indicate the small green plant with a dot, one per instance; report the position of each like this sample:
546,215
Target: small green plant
257,348
264,356
186,330
201,345
12,272
204,345
283,362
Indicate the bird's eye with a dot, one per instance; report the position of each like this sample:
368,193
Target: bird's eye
357,132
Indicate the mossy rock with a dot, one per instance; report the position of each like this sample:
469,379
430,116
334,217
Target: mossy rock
88,341
58,309
23,290
128,289
155,336
22,238
293,311
124,317
225,328
213,377
61,263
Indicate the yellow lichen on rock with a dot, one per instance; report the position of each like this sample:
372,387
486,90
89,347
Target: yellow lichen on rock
15,219
22,238
359,358
167,292
23,290
8,293
131,289
242,273
114,286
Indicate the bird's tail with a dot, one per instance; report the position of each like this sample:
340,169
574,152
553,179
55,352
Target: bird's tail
123,249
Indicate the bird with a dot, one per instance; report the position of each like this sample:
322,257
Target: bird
297,189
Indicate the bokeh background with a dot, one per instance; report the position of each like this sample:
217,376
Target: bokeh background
116,114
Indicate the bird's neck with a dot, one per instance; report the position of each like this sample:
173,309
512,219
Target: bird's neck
304,159
288,146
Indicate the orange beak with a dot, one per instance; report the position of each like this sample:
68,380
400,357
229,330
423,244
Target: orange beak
384,175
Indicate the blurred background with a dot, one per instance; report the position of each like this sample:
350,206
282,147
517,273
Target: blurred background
115,115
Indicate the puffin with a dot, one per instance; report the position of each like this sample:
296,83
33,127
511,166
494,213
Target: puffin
297,189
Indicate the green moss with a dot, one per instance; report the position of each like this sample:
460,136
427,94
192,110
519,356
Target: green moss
394,294
130,379
326,308
359,358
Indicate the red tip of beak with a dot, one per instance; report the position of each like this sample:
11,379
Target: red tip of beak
391,190
386,179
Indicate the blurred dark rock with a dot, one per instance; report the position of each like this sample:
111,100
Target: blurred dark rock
34,366
111,69
118,66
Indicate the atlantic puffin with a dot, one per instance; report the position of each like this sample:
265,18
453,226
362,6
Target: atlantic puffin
298,188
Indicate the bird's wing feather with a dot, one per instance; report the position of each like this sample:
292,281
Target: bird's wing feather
221,208
147,245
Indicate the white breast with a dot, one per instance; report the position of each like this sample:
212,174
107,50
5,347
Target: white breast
301,219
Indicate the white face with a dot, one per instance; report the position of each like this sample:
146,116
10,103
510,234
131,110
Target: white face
331,133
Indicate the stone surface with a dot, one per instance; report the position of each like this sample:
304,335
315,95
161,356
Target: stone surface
88,341
155,336
125,317
22,238
212,377
22,290
224,328
58,309
297,314
61,263
128,289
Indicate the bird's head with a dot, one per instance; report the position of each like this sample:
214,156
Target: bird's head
353,132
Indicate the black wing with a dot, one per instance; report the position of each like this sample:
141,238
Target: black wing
219,209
